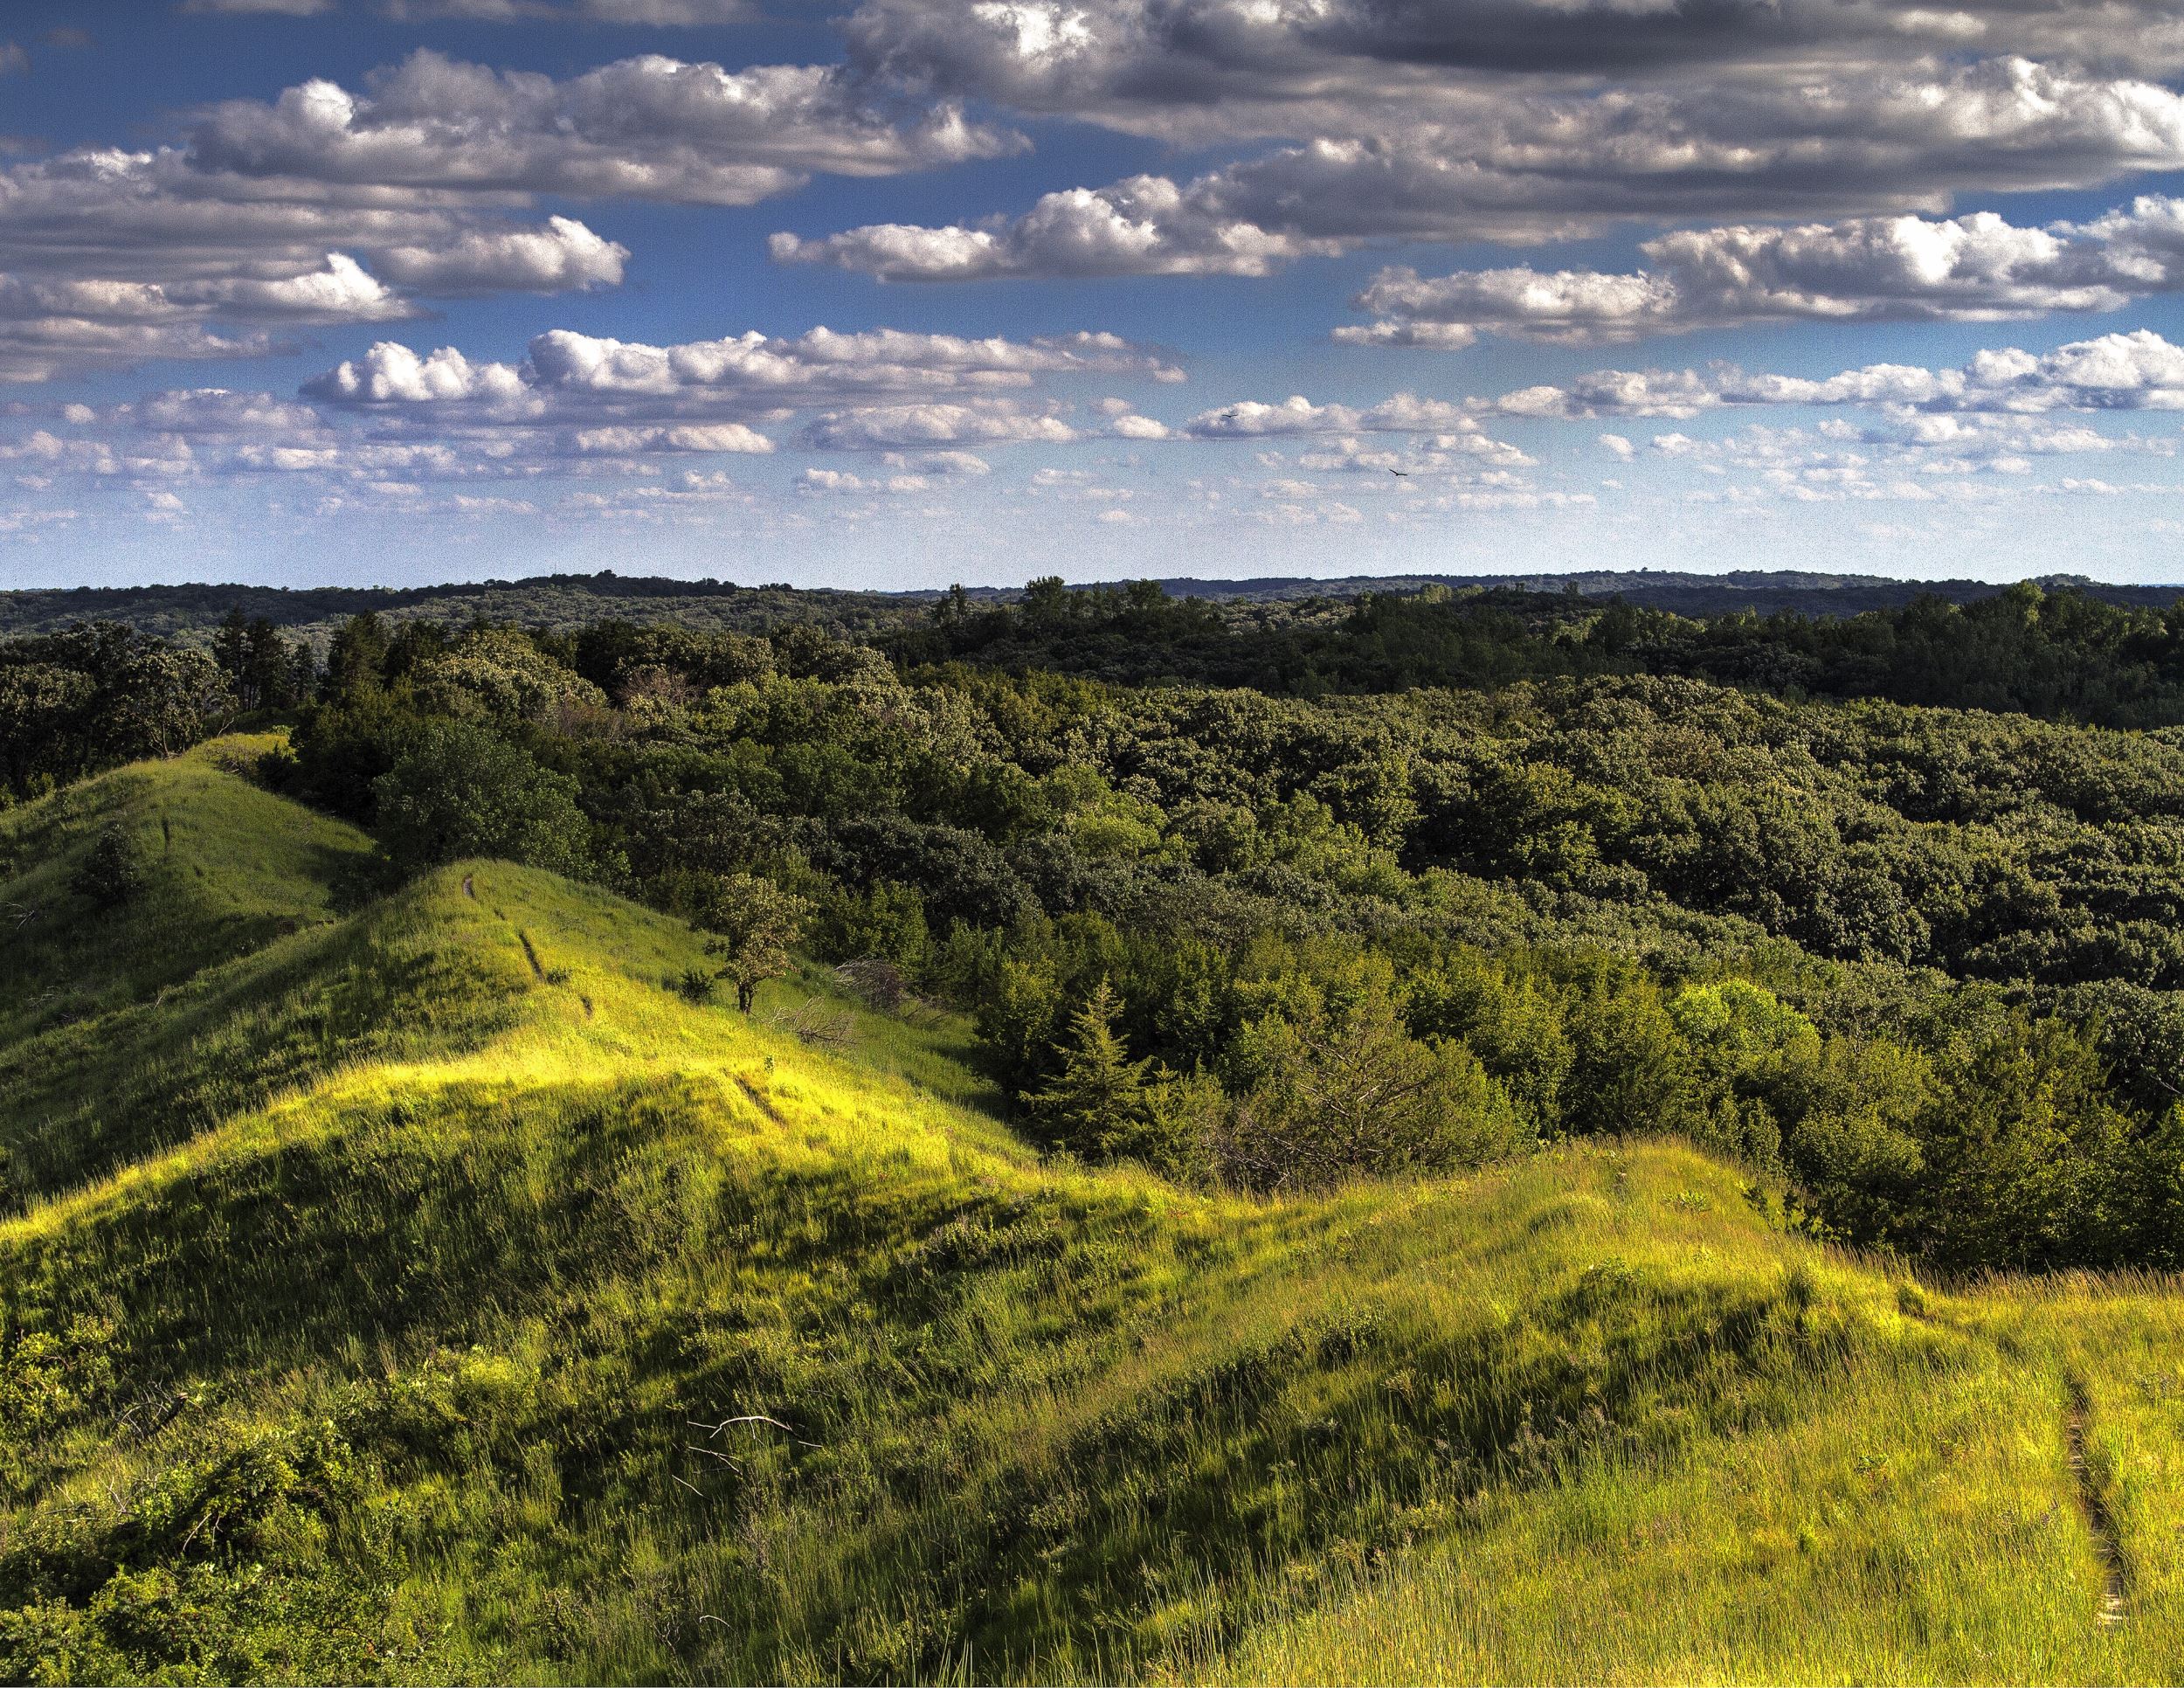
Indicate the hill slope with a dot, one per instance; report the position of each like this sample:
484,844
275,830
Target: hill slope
416,1288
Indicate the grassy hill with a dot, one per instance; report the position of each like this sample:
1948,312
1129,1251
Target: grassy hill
410,1285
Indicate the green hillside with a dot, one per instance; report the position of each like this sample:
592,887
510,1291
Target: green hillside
410,1285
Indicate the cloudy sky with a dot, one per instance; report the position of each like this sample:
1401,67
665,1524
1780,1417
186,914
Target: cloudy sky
904,292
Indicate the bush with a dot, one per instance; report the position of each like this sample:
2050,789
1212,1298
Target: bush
112,872
1344,1091
462,791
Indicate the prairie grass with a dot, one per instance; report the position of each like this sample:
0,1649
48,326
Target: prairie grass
418,1288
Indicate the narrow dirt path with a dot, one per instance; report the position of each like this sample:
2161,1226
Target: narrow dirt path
2094,1509
538,971
758,1100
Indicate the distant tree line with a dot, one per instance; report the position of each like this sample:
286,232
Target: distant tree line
2062,655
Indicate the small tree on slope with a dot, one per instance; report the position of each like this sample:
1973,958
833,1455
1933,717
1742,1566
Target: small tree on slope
1100,1103
755,923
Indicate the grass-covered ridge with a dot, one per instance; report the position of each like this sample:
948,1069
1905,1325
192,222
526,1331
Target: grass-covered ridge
413,1286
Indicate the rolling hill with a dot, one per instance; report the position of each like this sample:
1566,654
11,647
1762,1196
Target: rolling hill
408,1282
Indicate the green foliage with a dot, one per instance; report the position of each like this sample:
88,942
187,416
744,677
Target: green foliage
1100,1102
463,790
378,1309
72,704
1608,895
1331,1086
111,871
754,924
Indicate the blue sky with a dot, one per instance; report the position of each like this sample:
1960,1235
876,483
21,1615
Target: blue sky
915,291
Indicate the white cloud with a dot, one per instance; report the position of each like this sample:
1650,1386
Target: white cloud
939,463
1145,225
646,128
1414,152
841,480
654,13
331,204
1202,71
563,256
1975,268
571,375
983,422
280,8
702,437
392,374
1254,420
117,257
657,13
2135,371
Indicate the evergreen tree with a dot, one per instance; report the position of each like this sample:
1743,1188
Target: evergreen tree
356,662
231,649
1101,1099
111,873
268,680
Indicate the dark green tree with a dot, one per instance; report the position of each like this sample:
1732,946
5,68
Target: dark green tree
356,662
461,790
111,871
1100,1099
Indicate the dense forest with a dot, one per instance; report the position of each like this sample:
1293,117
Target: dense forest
1889,908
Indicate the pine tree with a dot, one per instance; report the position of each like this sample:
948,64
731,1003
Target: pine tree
231,649
1101,1098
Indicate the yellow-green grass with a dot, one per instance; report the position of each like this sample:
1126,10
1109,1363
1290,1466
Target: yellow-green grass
1914,1525
371,1301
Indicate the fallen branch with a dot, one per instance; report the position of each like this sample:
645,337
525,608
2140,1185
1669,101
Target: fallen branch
712,1430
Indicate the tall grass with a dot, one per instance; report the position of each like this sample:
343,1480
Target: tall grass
430,1292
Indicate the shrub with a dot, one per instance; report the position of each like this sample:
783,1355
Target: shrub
463,790
112,872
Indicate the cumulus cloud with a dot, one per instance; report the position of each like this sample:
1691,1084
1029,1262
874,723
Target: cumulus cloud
1254,420
653,13
392,374
983,422
1146,225
658,13
117,257
1974,268
754,373
1486,158
2136,371
331,204
843,482
1200,71
689,437
261,8
563,256
649,128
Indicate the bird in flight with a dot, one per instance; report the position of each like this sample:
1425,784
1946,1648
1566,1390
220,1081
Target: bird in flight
1402,474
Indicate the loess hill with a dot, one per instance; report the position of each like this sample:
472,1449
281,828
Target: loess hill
408,1284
